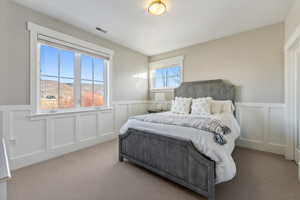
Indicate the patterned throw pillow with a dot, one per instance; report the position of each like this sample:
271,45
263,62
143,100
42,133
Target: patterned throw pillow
181,105
201,106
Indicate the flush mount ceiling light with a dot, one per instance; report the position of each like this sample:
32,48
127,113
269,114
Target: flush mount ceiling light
157,7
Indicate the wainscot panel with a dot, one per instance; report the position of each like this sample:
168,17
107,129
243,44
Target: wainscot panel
34,139
262,127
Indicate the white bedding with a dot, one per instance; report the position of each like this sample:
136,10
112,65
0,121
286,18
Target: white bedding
203,141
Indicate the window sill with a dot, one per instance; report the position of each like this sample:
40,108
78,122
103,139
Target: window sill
69,112
162,90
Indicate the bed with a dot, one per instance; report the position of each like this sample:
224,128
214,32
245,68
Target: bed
177,158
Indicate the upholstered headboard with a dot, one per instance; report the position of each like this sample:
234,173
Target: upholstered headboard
217,89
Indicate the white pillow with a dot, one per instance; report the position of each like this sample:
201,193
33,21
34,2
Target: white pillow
222,106
181,105
201,106
228,107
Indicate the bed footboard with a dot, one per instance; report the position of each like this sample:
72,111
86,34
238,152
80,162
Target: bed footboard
173,158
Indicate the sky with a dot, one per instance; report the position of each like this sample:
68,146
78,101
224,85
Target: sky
167,77
49,58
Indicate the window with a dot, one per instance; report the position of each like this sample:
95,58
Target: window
92,81
70,73
169,77
57,76
58,79
166,74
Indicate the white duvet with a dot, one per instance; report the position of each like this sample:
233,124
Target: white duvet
203,141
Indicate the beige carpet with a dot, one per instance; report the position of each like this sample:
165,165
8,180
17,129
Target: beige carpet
96,174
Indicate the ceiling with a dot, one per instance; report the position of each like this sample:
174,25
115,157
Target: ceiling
187,22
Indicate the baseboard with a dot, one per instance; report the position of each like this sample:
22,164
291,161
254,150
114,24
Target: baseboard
24,161
260,146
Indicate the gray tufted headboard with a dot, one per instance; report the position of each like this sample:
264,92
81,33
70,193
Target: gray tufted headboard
217,89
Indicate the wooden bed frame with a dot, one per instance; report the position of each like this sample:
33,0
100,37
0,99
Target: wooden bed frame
175,158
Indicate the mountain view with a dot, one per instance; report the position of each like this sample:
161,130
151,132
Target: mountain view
50,100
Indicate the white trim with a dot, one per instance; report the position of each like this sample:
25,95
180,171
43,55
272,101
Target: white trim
5,169
77,81
37,31
75,111
298,162
166,90
15,107
292,95
67,38
169,62
28,107
34,73
299,171
278,105
131,102
292,39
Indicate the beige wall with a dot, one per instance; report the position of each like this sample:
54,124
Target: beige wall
293,19
14,76
252,60
3,52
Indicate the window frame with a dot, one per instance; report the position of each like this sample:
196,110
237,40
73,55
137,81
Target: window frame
61,39
165,63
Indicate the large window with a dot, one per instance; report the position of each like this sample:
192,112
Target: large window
67,73
166,74
59,81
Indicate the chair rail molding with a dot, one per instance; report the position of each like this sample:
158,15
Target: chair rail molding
34,139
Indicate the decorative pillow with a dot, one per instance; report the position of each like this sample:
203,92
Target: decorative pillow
228,106
216,107
221,106
201,106
181,105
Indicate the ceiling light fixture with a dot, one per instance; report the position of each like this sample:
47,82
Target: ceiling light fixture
157,7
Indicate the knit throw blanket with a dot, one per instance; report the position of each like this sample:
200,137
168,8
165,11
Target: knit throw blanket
215,126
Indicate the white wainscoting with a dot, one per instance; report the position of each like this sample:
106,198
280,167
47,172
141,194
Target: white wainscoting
34,139
126,109
262,127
